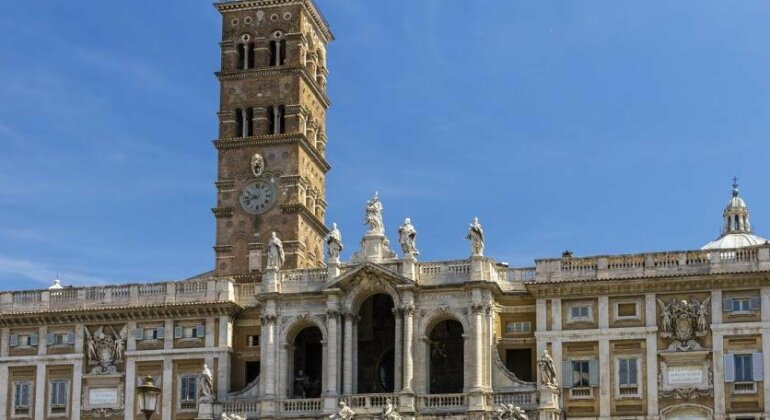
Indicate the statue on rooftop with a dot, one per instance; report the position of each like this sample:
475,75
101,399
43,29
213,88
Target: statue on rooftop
406,236
374,215
547,370
275,255
206,386
476,236
333,241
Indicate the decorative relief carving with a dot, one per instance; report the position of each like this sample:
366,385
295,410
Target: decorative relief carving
684,321
105,349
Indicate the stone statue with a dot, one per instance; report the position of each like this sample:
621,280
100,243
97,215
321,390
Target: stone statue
344,412
547,370
406,236
301,384
389,412
511,412
684,321
333,241
105,351
231,417
374,215
275,255
476,236
206,386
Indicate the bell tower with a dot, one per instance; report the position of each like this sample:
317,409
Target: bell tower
272,142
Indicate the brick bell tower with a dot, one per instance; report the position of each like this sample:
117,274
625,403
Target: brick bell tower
272,134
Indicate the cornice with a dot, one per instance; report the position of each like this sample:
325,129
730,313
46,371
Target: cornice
670,284
220,212
279,139
273,71
320,22
297,208
120,313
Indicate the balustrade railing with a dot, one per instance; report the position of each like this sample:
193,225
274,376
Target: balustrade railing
369,400
438,402
518,399
303,405
655,264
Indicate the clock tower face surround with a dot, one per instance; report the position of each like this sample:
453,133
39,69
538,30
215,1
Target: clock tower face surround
272,144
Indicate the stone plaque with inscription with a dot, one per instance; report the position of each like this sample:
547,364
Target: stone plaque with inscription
103,397
685,375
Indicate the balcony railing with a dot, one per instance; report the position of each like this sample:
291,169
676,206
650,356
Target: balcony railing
442,402
306,405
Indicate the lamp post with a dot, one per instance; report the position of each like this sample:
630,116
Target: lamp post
148,397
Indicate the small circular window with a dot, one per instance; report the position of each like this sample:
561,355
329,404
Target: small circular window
274,17
287,16
234,22
247,20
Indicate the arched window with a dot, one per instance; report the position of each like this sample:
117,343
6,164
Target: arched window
376,338
277,50
446,358
243,122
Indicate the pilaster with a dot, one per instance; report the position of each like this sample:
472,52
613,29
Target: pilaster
77,388
719,383
168,338
130,401
604,378
4,382
40,413
398,349
347,361
604,313
651,364
168,388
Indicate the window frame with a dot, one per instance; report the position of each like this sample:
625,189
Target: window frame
589,316
744,357
514,330
30,396
619,387
184,404
637,310
251,343
66,405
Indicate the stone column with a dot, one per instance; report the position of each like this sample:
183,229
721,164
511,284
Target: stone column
168,388
77,388
5,334
555,314
347,363
168,337
130,401
651,360
397,349
331,351
268,324
224,342
408,341
42,343
478,310
4,382
719,375
491,347
604,378
40,386
354,357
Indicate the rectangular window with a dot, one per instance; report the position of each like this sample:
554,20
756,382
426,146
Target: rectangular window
58,404
518,327
188,391
580,374
628,377
744,368
21,397
580,312
626,310
150,334
741,305
252,341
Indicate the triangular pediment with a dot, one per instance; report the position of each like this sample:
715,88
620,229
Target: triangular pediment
368,272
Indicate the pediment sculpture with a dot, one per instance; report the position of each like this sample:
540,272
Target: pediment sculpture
105,349
389,412
683,321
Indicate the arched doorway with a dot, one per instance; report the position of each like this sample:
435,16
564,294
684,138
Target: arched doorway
308,364
376,336
446,358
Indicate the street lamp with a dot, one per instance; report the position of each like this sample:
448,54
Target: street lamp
148,397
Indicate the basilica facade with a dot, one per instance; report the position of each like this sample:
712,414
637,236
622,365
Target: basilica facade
283,328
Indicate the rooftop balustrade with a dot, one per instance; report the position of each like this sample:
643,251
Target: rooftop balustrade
660,264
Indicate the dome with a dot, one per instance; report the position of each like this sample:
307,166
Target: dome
736,228
735,240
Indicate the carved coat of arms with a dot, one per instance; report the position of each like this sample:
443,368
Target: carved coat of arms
105,349
684,321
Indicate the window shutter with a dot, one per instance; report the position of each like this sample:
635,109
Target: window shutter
14,340
71,337
727,305
34,339
566,374
624,376
200,331
755,304
160,332
178,332
138,333
50,339
593,372
758,366
729,367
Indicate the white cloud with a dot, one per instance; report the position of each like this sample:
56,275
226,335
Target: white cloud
41,274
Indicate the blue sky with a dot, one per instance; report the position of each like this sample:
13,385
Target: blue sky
606,126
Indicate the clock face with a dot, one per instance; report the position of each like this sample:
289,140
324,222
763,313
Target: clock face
257,197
